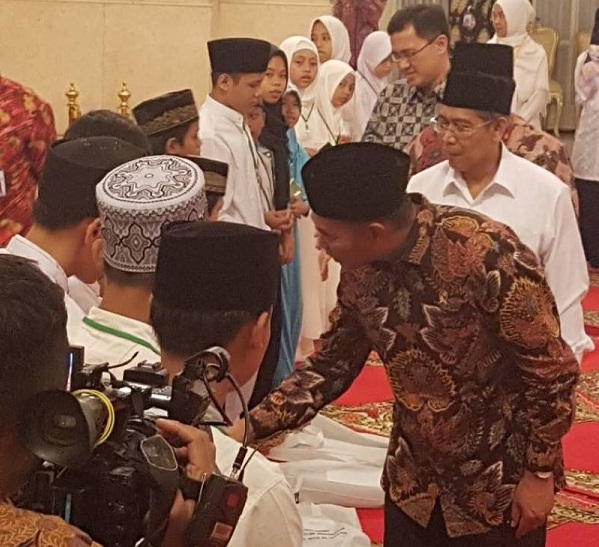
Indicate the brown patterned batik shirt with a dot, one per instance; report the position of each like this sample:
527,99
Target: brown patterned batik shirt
469,333
400,113
20,528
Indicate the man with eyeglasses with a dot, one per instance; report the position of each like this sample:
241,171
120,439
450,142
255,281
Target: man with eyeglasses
483,175
420,49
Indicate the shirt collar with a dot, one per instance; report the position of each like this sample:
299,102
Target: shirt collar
225,111
124,324
421,95
20,246
505,178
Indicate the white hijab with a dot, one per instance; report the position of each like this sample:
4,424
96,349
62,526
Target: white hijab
376,48
339,37
530,60
328,122
290,46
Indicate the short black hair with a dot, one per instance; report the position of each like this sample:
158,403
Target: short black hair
33,336
129,279
158,141
185,333
99,123
214,76
54,218
428,21
401,217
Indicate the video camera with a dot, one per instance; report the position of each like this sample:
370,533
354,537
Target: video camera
106,470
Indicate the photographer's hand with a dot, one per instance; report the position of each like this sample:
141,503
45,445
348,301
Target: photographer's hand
197,454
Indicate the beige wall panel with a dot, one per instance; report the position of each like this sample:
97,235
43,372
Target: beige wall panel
272,20
155,49
154,45
50,43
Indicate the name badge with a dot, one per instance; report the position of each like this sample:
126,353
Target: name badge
2,184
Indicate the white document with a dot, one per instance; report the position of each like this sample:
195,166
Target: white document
331,526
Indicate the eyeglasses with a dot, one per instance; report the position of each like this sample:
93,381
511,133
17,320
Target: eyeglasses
459,130
398,57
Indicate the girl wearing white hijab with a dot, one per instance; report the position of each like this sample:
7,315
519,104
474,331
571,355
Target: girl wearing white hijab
302,57
335,88
510,20
319,274
331,39
374,67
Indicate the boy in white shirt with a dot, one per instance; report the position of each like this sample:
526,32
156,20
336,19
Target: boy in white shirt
216,283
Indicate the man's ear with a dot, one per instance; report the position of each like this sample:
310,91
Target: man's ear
260,333
93,240
376,231
501,127
171,146
442,44
93,231
224,82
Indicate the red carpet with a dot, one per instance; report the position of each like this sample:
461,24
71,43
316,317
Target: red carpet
371,386
575,519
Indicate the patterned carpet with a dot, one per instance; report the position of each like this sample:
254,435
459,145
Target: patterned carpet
367,407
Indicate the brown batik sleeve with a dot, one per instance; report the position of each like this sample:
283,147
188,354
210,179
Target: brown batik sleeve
319,381
529,325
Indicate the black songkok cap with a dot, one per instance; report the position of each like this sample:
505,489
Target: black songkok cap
215,174
356,182
238,56
73,168
481,78
166,112
217,266
595,33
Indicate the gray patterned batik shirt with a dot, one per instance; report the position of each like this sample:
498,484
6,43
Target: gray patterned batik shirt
401,112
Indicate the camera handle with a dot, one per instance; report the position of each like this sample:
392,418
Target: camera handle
163,469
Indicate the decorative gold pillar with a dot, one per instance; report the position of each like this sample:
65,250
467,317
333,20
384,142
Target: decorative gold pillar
124,95
74,112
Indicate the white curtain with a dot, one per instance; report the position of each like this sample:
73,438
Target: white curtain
568,17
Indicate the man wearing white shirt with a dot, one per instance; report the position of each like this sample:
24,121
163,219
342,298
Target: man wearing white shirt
101,123
238,66
481,174
203,298
135,201
65,237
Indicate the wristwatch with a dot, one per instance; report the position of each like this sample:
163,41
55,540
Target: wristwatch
544,474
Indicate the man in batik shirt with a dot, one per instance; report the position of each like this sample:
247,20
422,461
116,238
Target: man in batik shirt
26,131
420,48
460,313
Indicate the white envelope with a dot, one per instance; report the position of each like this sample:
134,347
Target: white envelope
337,483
